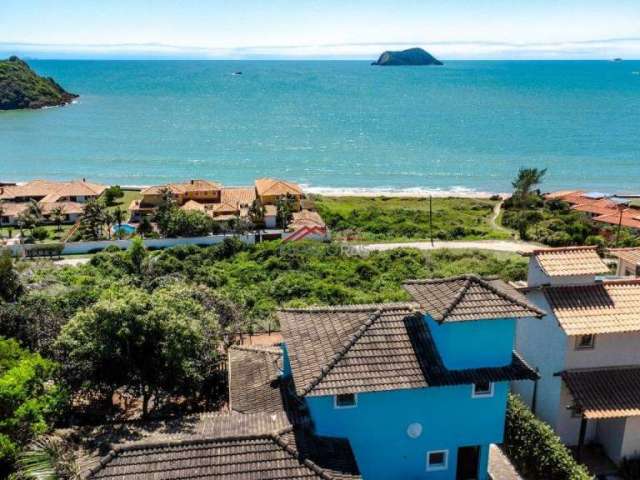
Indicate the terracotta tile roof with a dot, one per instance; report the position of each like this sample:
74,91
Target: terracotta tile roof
566,195
630,218
192,205
13,209
68,208
225,208
605,393
238,195
136,205
570,261
274,186
630,255
368,348
181,188
468,297
254,384
607,307
42,188
598,206
306,218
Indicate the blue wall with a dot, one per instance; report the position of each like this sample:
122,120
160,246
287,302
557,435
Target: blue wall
478,343
377,428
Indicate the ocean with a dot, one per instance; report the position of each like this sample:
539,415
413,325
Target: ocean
335,126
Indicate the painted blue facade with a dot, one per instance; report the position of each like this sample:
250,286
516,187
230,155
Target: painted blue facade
480,343
450,417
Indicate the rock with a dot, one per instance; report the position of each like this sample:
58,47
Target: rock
21,87
412,56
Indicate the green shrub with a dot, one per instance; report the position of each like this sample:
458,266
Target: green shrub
39,233
535,449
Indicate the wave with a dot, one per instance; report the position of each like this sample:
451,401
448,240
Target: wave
456,191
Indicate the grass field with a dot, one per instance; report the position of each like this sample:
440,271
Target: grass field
397,219
124,202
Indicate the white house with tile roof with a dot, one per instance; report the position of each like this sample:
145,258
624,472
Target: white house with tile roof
586,350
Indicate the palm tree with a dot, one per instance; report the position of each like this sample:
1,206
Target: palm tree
526,179
118,217
48,458
92,220
25,220
109,220
57,217
35,209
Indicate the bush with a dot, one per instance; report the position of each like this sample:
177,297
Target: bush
111,193
39,233
535,449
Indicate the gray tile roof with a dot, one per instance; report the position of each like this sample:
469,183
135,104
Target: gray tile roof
469,297
242,446
369,348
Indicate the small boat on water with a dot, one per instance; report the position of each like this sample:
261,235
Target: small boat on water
236,73
617,59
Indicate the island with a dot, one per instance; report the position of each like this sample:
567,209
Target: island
21,87
412,56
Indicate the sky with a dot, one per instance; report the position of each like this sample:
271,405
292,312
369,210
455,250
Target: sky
314,29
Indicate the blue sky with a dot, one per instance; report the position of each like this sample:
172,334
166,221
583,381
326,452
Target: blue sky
319,29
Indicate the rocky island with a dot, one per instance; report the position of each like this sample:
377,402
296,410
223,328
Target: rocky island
21,87
412,56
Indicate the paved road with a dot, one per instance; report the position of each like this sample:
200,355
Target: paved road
500,468
495,245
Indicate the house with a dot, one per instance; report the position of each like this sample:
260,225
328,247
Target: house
79,191
419,390
10,211
270,190
628,261
386,391
585,350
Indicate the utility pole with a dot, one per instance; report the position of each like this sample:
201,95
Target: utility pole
431,219
621,208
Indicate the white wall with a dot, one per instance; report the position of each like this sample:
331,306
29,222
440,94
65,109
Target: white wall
86,247
568,427
542,343
631,442
611,435
611,350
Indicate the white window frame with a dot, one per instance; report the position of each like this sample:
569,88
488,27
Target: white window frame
440,466
488,394
578,345
355,402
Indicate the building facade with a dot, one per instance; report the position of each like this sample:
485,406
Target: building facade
585,350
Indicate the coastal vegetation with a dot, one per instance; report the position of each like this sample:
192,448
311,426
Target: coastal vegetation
397,219
21,87
553,222
153,324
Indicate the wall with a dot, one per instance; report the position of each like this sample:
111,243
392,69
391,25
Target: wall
537,277
631,442
86,247
567,426
478,343
542,343
377,428
611,435
610,350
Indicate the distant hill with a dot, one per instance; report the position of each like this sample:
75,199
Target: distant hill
21,87
412,56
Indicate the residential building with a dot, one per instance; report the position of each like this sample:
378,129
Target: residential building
419,390
628,261
78,191
269,190
585,350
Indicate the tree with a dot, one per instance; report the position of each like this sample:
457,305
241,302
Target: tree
144,227
118,217
164,211
153,344
285,206
526,179
10,284
30,400
58,217
35,210
111,193
25,220
92,220
109,220
137,254
256,213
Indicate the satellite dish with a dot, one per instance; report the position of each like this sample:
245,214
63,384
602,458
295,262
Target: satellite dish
414,430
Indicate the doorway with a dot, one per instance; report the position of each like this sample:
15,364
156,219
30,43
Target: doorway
468,463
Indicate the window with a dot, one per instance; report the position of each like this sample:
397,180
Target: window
437,460
584,342
482,390
346,400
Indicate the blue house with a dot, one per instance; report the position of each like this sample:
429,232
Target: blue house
419,390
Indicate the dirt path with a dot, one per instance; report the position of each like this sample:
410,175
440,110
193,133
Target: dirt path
513,246
493,220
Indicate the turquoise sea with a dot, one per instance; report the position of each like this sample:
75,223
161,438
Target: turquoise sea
336,125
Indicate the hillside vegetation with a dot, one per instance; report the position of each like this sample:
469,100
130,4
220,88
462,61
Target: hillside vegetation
395,218
21,87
